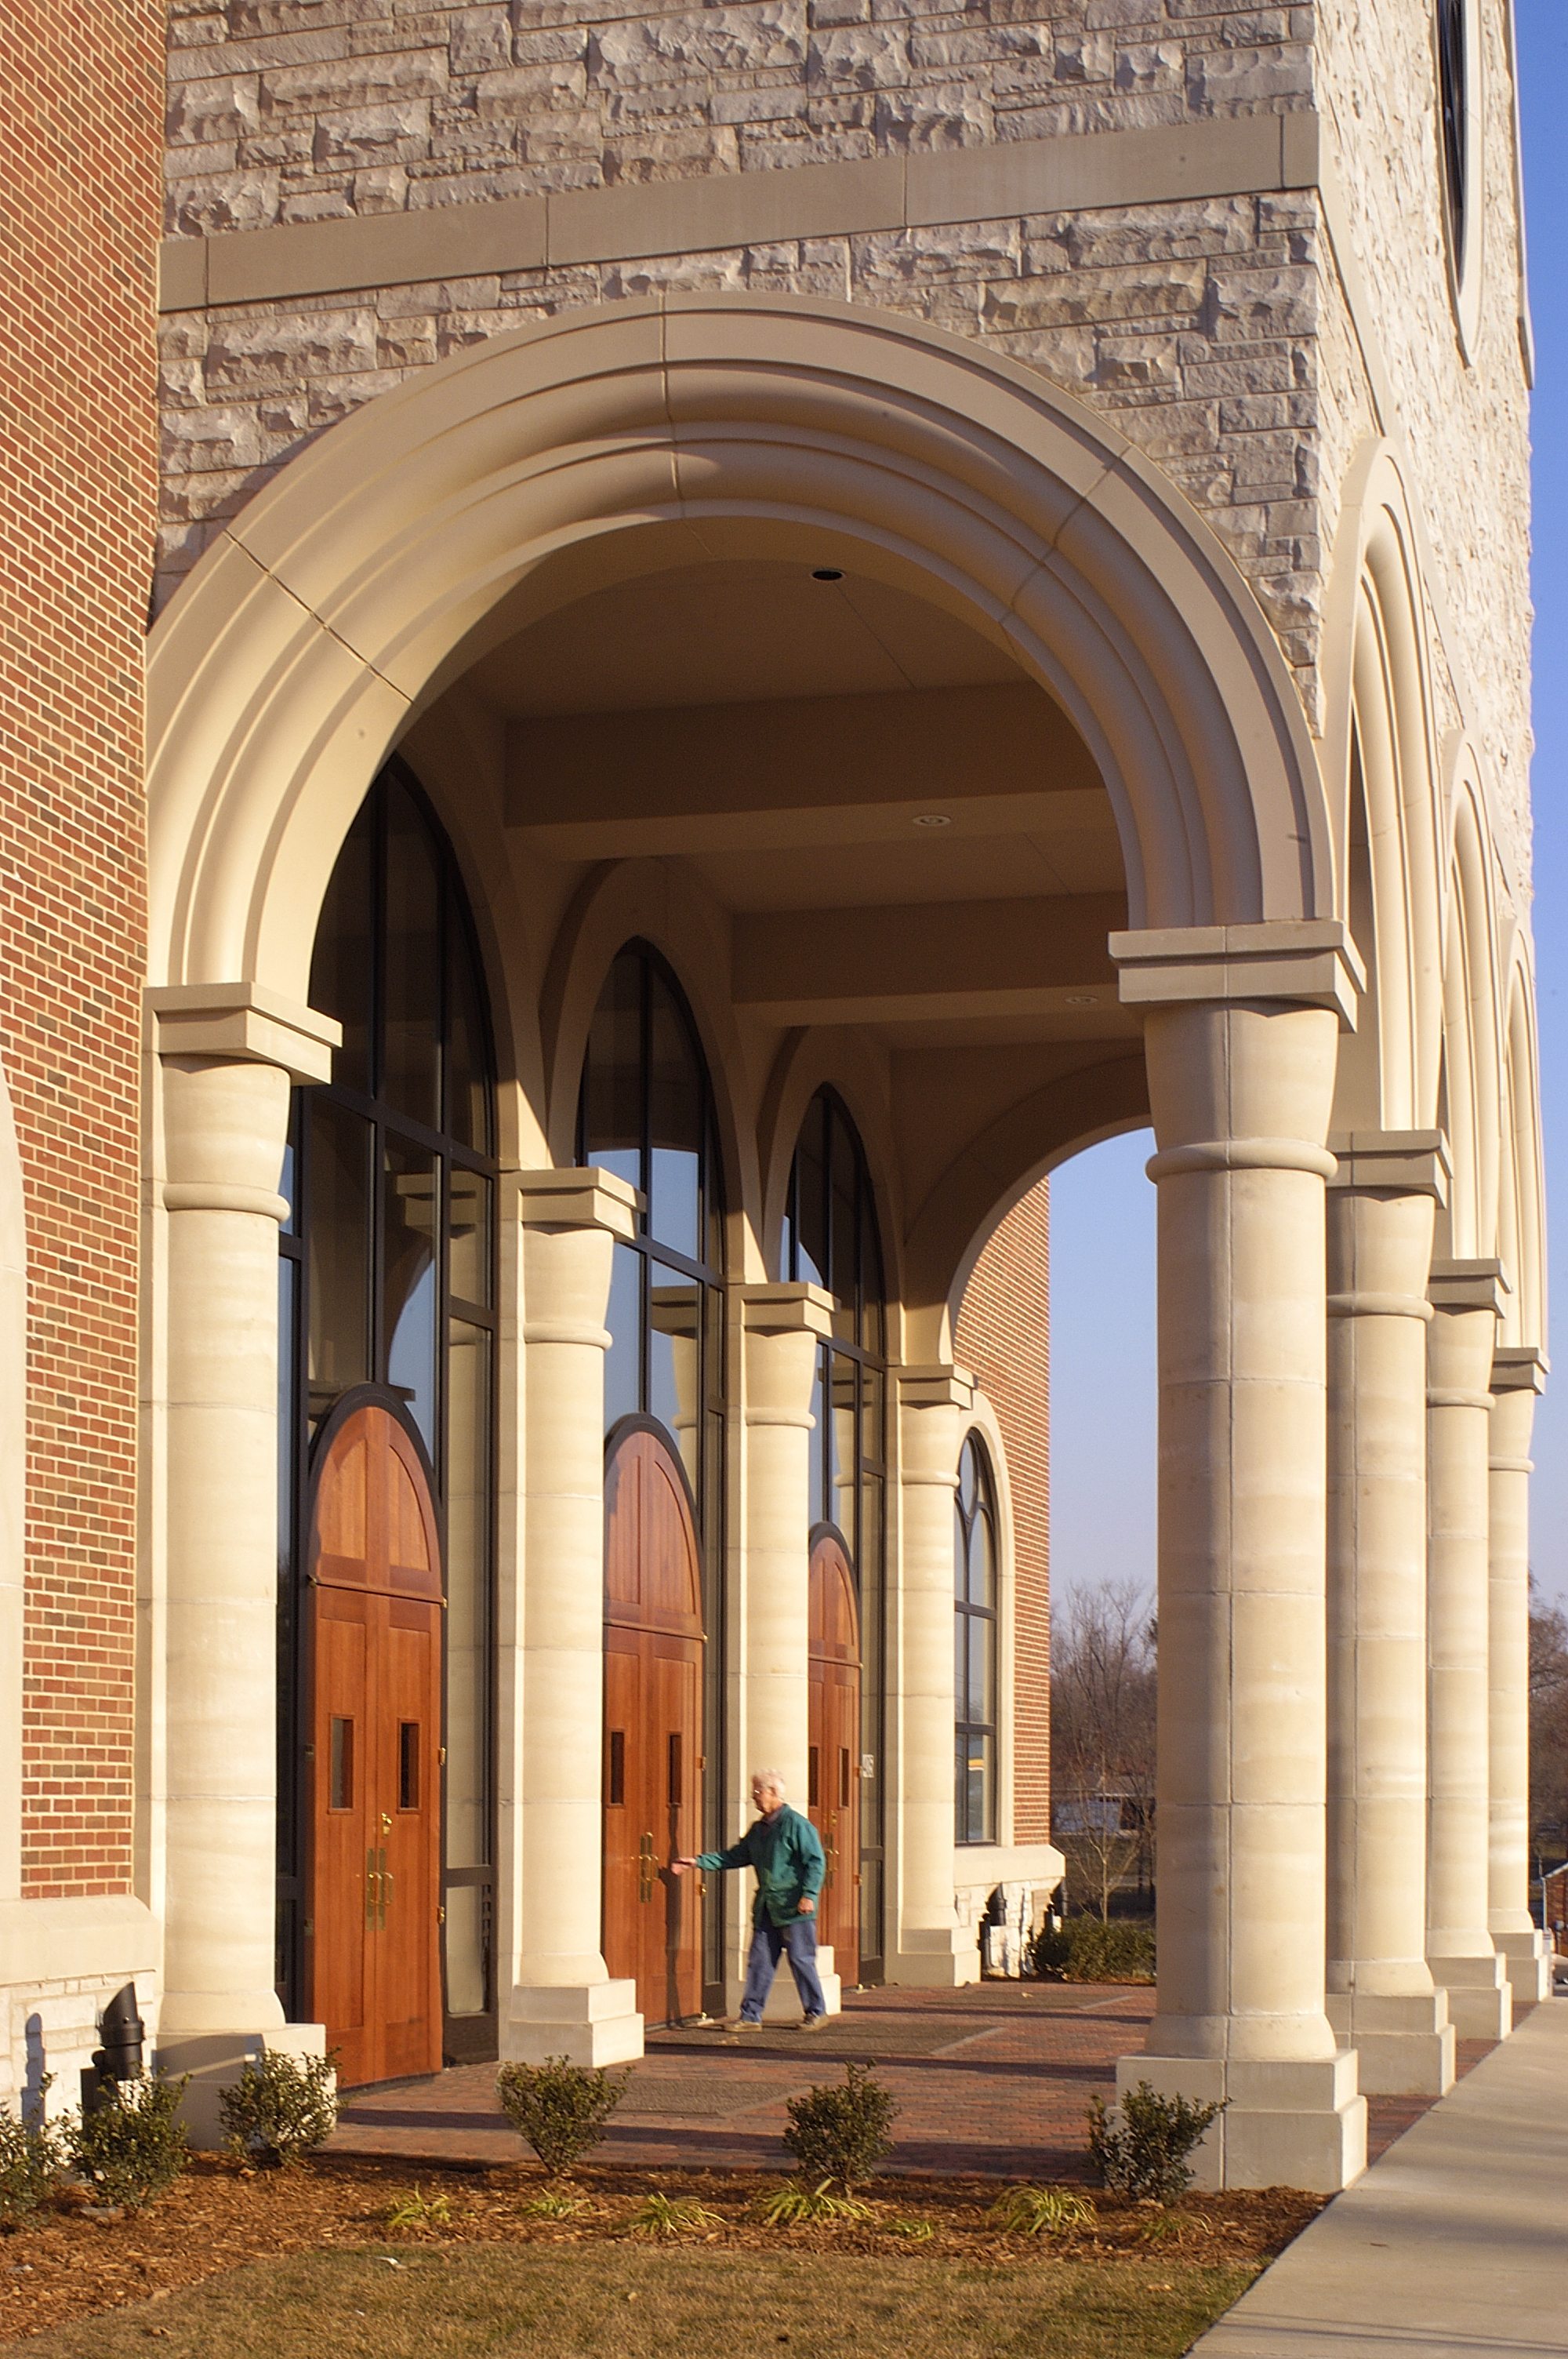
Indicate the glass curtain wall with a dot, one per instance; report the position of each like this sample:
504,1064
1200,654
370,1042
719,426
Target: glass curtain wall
388,1278
830,1239
975,1646
645,1112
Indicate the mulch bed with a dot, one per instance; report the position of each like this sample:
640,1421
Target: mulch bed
65,2265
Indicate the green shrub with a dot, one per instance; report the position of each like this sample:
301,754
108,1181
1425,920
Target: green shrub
1039,2210
1083,1950
1142,2151
840,2133
31,2160
280,2109
132,2148
559,2109
674,2215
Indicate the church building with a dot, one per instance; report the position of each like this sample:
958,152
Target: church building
653,658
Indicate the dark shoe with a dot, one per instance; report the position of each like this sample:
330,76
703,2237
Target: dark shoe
812,2022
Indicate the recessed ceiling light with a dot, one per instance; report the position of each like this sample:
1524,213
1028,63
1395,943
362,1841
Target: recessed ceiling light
826,574
1082,999
932,818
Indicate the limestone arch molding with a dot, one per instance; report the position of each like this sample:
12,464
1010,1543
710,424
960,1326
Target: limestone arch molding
352,586
1472,1049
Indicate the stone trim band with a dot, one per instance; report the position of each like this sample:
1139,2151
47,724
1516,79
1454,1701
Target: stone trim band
1216,158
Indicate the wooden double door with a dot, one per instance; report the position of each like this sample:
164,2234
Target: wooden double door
373,1918
833,1736
653,1722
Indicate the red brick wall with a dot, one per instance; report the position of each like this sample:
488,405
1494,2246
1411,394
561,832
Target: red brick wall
1003,1336
81,125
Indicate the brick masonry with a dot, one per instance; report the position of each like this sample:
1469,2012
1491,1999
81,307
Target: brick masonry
1003,1335
82,108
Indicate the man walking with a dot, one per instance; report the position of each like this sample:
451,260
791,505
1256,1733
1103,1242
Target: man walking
786,1850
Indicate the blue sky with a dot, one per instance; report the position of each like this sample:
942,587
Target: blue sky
1102,1208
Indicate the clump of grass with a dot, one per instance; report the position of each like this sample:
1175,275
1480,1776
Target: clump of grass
799,2206
914,2232
1039,2210
555,2203
664,2216
417,2209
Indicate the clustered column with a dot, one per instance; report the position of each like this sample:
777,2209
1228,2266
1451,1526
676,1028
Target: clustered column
229,1056
1241,1077
1518,1377
563,2000
933,1949
1381,1999
1466,1298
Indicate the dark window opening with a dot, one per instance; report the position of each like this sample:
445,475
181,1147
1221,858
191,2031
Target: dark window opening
616,1779
1454,106
408,1765
975,1584
340,1782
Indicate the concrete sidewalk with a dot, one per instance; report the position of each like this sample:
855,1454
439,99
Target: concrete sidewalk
1454,2246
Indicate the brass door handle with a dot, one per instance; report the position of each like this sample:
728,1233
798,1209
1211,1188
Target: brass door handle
386,1883
378,1887
646,1868
371,1891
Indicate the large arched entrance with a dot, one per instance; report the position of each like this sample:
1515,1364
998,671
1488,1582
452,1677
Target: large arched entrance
374,1642
833,1735
653,1720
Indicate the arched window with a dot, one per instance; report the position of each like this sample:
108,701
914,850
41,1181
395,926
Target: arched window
975,1645
830,1240
1453,109
645,1112
388,1279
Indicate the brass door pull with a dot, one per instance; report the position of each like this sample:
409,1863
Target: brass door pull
378,1887
647,1868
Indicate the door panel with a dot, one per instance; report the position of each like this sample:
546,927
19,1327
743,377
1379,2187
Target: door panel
834,1737
653,1718
373,1919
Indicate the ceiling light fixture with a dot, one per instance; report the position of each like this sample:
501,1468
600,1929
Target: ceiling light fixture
826,574
932,818
1082,999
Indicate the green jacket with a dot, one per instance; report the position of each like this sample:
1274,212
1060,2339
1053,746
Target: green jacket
786,1852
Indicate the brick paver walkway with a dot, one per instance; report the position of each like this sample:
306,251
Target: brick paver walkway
992,2081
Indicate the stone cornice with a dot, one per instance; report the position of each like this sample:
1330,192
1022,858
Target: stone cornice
245,1022
1307,963
1241,156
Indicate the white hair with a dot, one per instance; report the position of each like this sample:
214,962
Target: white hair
774,1778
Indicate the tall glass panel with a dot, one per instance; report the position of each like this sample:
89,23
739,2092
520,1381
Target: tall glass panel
411,1213
467,1046
611,1118
470,1236
338,1248
411,1038
974,1649
344,959
676,1124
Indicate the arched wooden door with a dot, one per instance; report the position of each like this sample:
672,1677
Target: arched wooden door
833,1788
653,1720
373,1955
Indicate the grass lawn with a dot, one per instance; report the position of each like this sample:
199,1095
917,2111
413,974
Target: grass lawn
600,2298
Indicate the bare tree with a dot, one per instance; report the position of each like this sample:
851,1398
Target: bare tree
1102,1735
1548,1731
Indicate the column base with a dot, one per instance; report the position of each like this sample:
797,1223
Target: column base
939,1957
587,2023
1404,2044
1284,2124
783,2004
1480,1997
1527,1959
215,2061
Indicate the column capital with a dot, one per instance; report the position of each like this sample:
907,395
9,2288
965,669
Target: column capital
1477,1285
1308,962
1393,1162
793,1306
1519,1368
588,1199
245,1022
944,1386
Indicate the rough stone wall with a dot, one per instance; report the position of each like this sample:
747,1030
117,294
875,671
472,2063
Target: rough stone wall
1194,322
81,111
1464,424
300,110
1003,1335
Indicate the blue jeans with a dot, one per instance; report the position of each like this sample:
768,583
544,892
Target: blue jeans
797,1940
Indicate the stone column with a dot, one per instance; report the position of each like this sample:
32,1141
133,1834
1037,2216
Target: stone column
929,1947
781,1326
1240,1078
1518,1374
563,2002
1467,1297
229,1056
1382,1998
